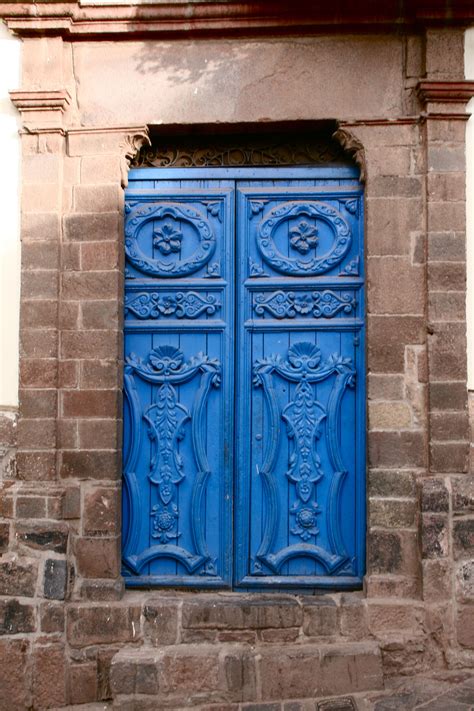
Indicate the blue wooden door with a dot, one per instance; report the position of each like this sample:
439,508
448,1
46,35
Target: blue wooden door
244,413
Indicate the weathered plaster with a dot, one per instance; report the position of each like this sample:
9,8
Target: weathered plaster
10,230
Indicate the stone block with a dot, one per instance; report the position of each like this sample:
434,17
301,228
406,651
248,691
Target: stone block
38,403
37,433
101,374
71,502
390,221
101,512
38,343
449,426
92,464
93,226
391,482
434,535
38,313
42,254
68,373
387,616
351,668
403,449
446,246
446,276
434,495
290,672
445,187
41,226
463,494
446,159
91,285
449,457
390,415
99,434
353,617
385,387
16,617
102,590
100,623
91,403
392,513
101,314
437,580
446,305
36,466
97,557
407,298
464,581
101,255
45,536
40,198
320,617
100,169
83,683
186,671
96,198
391,161
465,626
18,577
448,396
14,683
38,372
80,344
463,538
251,613
52,616
387,338
4,537
30,507
394,552
55,579
395,186
49,683
161,622
447,347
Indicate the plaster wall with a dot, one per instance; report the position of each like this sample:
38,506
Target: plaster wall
181,82
10,229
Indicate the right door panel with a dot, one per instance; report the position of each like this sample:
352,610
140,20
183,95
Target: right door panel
300,489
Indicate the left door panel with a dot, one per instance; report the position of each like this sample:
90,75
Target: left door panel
178,381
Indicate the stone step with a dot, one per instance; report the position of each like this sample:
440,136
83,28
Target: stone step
190,675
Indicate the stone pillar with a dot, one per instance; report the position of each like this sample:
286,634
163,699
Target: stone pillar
445,492
91,348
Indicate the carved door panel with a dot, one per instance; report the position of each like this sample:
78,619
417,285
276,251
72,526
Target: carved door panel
178,384
244,393
301,453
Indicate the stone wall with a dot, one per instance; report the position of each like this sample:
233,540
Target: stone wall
65,620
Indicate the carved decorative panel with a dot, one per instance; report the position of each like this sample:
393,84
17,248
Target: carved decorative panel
244,337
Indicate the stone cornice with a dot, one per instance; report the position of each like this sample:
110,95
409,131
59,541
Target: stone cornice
80,20
457,92
31,100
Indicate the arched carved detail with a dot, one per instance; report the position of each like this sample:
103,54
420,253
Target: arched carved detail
354,148
130,147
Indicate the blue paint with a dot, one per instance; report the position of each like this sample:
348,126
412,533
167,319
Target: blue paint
244,414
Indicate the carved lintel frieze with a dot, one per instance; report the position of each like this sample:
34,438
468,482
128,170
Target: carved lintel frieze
445,99
353,147
41,110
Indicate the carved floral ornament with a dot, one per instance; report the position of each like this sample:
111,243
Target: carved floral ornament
168,238
303,237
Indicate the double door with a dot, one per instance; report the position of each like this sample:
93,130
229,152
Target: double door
244,393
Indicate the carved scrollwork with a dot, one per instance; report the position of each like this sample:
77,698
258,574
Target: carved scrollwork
304,239
154,305
168,238
166,367
289,304
303,416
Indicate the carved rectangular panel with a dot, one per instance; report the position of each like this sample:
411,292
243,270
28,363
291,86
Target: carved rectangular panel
300,519
178,395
